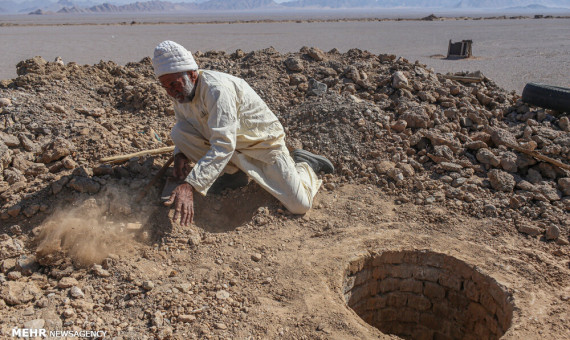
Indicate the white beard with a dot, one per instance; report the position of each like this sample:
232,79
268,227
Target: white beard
187,90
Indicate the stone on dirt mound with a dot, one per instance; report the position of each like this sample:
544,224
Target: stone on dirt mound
35,65
56,150
16,293
501,181
316,53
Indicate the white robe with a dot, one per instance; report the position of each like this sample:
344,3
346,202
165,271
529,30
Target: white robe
227,125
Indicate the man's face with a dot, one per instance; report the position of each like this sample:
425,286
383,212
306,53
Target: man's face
179,86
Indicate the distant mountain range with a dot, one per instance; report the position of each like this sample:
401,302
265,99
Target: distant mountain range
148,6
94,6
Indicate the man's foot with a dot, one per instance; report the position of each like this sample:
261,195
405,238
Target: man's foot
233,181
318,163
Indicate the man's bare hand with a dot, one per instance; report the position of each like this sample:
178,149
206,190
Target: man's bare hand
181,167
183,199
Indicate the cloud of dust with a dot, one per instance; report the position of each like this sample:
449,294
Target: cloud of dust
86,233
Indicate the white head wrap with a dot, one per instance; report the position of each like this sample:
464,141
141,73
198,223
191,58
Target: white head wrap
170,57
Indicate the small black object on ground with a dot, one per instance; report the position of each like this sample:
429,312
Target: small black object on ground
547,96
459,50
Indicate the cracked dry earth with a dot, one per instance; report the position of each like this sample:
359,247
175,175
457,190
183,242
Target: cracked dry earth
431,228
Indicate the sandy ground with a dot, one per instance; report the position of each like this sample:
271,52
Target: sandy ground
315,251
285,277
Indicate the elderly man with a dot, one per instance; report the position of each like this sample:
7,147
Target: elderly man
229,132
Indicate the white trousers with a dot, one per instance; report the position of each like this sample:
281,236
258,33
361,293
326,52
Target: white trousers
294,185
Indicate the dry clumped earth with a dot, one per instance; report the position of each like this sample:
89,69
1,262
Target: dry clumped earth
430,227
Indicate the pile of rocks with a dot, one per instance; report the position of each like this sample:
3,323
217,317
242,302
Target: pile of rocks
381,119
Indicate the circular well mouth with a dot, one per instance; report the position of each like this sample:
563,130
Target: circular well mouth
427,295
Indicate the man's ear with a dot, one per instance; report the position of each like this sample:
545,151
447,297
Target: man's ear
193,75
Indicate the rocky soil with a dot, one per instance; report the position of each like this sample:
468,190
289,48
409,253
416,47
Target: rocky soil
424,162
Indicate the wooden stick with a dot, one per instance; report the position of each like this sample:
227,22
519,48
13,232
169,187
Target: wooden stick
538,156
156,177
122,158
464,79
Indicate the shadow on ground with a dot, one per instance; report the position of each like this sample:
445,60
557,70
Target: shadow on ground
226,212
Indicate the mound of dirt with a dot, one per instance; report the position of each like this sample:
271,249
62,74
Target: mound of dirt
453,161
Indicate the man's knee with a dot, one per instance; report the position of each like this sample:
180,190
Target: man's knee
176,135
299,208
